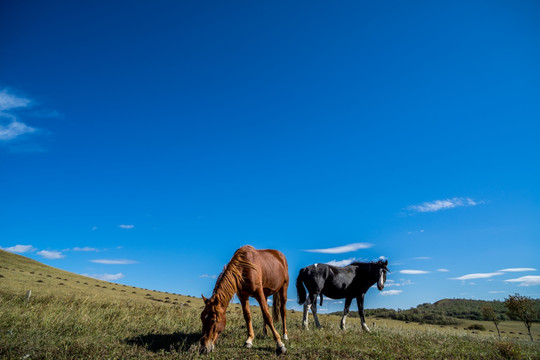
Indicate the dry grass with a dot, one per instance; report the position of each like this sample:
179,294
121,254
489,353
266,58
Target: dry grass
91,319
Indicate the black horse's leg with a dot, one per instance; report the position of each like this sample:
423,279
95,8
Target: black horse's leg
313,301
311,304
360,301
306,313
345,312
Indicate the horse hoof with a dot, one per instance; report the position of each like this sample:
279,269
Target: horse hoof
281,350
248,345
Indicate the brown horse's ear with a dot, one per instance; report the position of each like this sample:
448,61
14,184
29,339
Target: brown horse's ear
205,299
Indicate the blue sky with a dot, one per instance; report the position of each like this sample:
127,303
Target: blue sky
145,142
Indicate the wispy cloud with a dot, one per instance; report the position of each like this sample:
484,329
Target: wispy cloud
438,205
344,262
21,249
518,269
126,226
390,292
86,248
422,258
106,277
529,280
114,261
10,126
9,101
342,249
208,276
51,254
391,282
497,292
14,129
443,270
477,276
413,272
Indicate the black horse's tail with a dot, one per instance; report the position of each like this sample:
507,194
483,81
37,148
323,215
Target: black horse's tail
300,289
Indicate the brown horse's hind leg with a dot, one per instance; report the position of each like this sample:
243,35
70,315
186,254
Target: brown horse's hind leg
265,329
283,311
247,318
280,347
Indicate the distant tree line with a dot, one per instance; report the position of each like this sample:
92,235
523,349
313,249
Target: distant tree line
453,311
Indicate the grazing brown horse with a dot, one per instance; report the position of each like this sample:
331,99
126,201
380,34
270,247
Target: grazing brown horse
251,272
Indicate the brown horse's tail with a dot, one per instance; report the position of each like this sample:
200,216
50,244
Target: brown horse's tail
276,306
300,289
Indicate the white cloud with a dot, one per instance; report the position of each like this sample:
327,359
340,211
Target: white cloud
9,101
14,129
51,254
86,248
413,272
126,226
114,262
391,282
10,126
391,292
438,205
529,280
477,276
497,292
517,269
344,262
208,276
21,249
443,270
342,249
106,277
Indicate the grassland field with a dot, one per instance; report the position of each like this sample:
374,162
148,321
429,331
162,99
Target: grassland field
69,316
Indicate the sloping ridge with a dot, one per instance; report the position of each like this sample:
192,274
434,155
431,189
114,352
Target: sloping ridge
19,274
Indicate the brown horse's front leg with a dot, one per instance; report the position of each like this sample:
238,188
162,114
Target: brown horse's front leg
280,347
247,318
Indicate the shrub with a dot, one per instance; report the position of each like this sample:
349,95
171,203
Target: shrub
508,350
477,327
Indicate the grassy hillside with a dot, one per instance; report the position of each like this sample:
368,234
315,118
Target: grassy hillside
21,274
71,316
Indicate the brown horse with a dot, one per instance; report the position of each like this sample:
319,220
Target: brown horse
251,272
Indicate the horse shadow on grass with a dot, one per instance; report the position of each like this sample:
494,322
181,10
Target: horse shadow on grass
176,342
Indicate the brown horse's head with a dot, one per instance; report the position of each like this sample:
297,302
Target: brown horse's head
213,323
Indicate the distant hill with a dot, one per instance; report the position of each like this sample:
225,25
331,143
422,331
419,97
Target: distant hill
443,312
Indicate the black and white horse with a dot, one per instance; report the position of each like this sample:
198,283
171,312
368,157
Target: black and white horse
349,282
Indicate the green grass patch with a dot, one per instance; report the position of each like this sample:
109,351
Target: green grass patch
91,319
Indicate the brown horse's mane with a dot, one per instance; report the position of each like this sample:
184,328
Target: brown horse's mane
231,278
